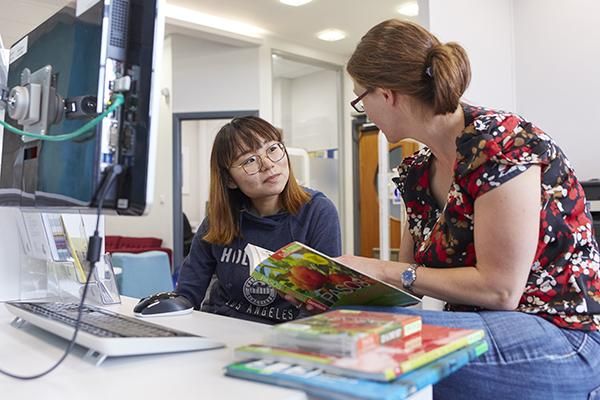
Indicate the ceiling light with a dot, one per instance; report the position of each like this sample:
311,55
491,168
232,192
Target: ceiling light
410,9
295,3
331,35
212,21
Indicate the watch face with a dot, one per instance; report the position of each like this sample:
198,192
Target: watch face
408,277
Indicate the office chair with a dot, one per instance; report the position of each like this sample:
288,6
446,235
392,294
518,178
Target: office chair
143,274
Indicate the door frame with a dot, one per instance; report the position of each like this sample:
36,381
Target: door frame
358,122
178,118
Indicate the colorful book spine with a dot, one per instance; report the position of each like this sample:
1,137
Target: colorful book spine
318,383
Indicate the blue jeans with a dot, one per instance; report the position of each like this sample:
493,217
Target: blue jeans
528,358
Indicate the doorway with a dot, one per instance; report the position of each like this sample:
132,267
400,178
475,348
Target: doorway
193,135
366,196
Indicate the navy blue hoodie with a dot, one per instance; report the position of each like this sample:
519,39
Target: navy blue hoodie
234,293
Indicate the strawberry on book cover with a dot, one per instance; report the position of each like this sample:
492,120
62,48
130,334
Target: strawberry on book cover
345,333
321,384
383,363
321,281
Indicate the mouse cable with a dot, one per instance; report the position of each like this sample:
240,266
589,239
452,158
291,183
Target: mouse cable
93,255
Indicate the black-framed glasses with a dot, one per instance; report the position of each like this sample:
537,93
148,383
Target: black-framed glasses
357,103
253,164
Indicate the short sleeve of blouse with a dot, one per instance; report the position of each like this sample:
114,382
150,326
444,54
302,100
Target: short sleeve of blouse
496,148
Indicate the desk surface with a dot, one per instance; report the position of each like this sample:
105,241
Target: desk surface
192,375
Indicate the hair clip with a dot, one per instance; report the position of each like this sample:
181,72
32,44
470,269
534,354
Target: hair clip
428,72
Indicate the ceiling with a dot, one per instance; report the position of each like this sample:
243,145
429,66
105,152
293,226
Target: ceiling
19,17
298,25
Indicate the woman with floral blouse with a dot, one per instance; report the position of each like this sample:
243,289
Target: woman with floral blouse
497,224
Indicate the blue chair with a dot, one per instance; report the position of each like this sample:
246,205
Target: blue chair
143,274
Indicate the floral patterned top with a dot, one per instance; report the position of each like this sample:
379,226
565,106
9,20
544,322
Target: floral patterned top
495,146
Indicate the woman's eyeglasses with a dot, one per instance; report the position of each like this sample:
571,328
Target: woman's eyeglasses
253,164
357,103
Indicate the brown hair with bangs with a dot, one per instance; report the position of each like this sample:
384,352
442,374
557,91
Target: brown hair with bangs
241,135
405,57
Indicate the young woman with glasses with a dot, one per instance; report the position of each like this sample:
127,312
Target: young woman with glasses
254,198
497,224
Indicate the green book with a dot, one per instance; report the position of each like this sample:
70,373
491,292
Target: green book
315,279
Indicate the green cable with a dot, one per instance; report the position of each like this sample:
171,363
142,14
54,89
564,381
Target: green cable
117,100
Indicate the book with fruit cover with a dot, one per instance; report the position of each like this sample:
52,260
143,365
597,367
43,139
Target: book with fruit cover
313,278
345,333
318,383
383,363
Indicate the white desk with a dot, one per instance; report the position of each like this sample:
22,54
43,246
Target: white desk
180,376
193,375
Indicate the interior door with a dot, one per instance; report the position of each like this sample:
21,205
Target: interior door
368,160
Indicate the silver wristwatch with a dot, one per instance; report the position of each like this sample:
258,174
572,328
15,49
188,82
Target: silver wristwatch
409,276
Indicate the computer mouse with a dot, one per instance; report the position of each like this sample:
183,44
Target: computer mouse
163,304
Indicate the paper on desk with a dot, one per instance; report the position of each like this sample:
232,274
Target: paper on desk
33,235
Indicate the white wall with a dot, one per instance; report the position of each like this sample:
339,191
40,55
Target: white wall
538,58
485,30
191,171
315,117
309,120
282,107
557,71
209,76
198,138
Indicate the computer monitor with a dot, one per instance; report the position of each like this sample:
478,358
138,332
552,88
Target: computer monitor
62,75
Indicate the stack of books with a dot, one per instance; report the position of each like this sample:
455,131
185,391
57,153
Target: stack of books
353,354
